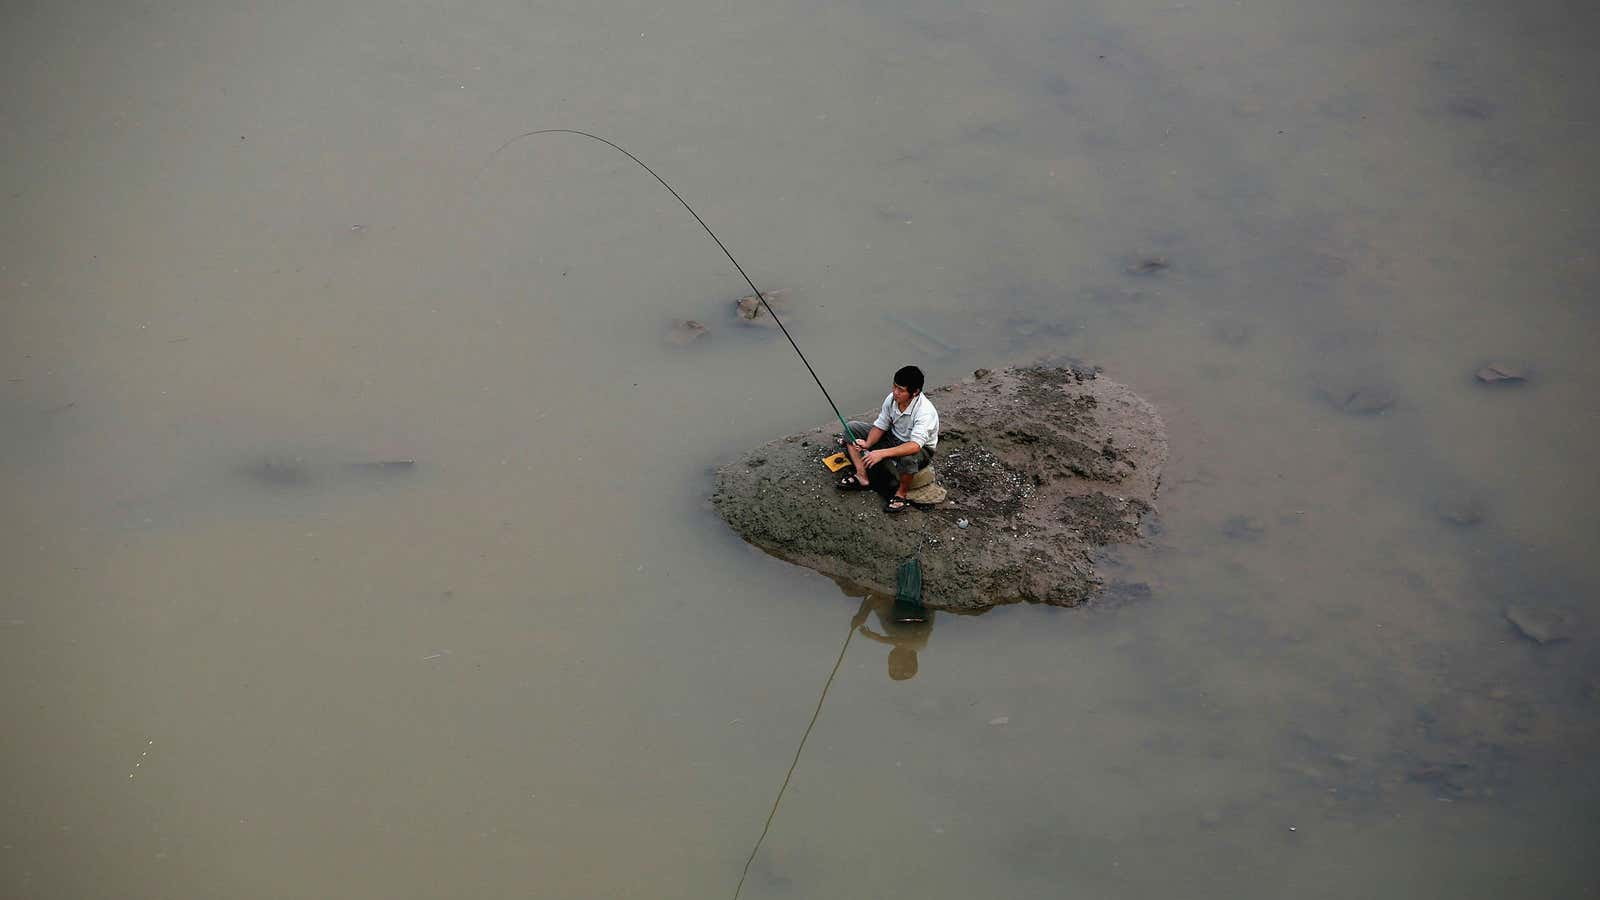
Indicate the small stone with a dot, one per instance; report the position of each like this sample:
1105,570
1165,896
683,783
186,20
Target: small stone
1502,374
980,373
962,523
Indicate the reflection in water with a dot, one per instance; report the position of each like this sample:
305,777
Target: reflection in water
905,628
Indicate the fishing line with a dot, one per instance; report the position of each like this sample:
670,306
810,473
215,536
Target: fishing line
817,712
767,826
759,295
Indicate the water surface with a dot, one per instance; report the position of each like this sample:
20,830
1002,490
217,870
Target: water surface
537,664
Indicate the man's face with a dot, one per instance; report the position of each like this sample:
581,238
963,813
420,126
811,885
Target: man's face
901,396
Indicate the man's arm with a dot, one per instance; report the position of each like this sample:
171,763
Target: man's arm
905,449
872,437
877,456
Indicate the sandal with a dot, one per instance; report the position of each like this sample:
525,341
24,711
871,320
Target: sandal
897,504
852,483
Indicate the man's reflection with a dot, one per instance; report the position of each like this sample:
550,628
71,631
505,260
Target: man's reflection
905,628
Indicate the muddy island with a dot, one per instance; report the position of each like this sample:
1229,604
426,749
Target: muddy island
1040,466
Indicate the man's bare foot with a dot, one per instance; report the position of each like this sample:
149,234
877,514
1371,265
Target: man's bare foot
853,482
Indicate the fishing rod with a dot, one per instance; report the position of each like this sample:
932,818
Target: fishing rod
759,295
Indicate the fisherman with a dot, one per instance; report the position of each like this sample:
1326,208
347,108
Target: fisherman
905,628
902,438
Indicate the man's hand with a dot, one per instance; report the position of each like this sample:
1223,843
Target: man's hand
860,618
871,457
861,443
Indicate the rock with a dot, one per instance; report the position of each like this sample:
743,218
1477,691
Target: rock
750,311
980,374
1501,374
1045,464
1542,626
683,332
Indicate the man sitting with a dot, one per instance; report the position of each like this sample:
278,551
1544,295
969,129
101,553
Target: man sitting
903,437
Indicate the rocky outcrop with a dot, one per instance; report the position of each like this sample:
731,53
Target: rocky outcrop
1042,465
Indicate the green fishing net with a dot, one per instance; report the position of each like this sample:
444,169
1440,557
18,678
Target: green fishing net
908,583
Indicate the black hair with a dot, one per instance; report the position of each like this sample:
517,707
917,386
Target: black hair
910,378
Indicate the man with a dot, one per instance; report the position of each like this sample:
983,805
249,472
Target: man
902,438
905,629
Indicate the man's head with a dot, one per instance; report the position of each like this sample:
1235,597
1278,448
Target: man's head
910,378
902,663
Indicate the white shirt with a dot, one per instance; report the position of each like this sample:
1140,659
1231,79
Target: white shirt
919,424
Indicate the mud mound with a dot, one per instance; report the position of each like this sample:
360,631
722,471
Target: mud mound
1044,464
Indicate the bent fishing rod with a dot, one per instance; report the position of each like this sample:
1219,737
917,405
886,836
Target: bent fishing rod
759,295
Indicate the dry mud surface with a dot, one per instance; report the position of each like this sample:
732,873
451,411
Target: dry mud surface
1044,464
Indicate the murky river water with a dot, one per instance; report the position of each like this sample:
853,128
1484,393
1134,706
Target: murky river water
247,245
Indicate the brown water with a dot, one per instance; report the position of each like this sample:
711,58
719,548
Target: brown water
246,244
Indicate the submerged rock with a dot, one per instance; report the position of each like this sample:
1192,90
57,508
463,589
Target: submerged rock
683,332
1147,264
1358,399
1542,626
1501,373
1043,465
751,311
1244,528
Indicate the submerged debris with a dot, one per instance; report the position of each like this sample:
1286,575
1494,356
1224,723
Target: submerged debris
1244,528
1502,374
292,471
683,332
1364,400
1541,626
1146,264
